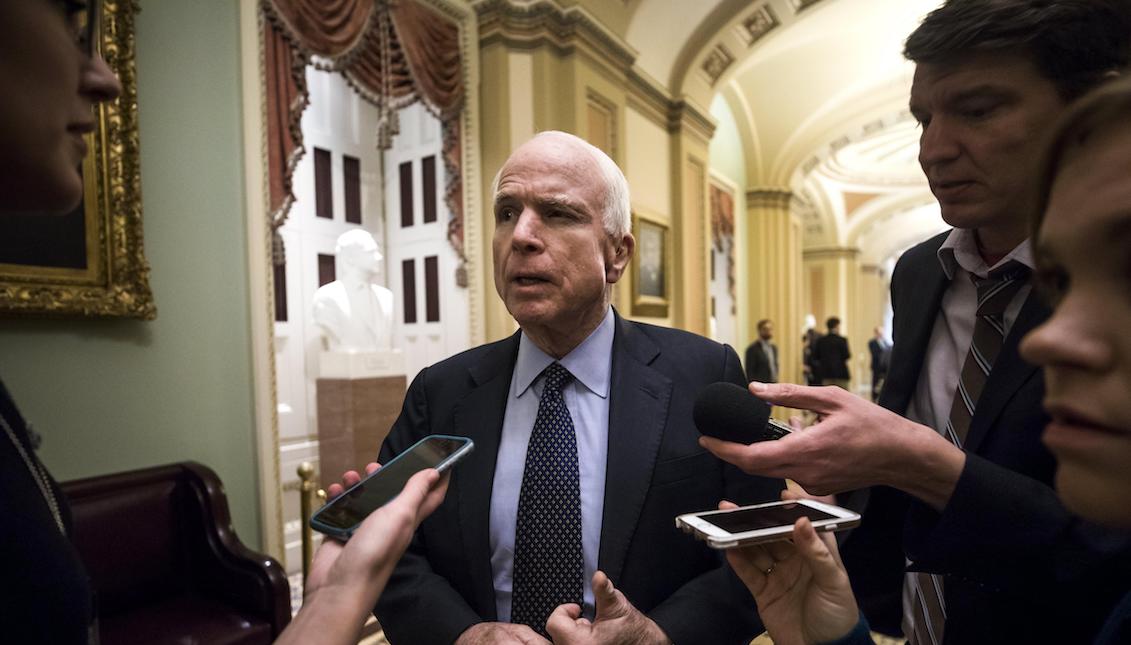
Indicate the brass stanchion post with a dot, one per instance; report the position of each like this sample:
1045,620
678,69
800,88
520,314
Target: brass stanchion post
306,506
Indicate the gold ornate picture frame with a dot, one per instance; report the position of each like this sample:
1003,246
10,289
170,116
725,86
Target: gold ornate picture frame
651,267
105,272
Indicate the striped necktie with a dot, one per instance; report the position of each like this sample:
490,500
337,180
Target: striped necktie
995,292
548,565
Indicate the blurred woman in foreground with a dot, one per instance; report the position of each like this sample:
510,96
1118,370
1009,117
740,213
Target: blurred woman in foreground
1083,242
51,78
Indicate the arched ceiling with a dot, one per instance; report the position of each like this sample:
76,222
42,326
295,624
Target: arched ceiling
819,90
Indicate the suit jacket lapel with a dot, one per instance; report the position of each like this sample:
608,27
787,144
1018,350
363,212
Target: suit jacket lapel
638,413
479,416
916,321
1009,372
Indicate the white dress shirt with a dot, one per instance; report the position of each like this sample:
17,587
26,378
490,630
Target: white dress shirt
587,399
950,342
954,325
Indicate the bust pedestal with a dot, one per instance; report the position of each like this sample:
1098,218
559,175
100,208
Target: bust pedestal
359,397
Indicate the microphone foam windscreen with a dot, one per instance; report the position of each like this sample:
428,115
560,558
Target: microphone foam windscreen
728,412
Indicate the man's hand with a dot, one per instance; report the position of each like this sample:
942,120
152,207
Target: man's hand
505,633
801,587
854,444
617,620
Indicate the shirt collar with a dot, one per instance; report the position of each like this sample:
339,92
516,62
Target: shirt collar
590,362
960,251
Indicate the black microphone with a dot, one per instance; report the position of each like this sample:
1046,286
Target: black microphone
729,412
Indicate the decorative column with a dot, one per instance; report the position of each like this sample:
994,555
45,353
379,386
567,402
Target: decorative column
691,300
773,275
870,298
832,277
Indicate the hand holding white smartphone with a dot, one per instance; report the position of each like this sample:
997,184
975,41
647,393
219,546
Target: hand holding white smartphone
760,523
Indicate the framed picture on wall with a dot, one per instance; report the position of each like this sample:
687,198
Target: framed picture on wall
651,267
89,262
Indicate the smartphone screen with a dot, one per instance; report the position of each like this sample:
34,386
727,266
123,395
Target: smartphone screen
353,506
753,519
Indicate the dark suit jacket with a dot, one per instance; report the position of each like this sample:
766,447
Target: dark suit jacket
1117,629
831,353
880,357
758,366
1019,567
656,470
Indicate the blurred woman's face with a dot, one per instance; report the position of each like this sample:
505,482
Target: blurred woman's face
1085,348
49,82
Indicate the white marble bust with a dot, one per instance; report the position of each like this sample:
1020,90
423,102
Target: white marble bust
352,313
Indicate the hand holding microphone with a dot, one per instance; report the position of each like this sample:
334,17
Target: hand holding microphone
729,412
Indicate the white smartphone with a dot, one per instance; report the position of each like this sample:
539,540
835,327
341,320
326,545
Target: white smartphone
768,522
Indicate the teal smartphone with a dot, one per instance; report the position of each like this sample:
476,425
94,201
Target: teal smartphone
341,517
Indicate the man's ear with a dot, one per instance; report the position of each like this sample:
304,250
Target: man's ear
618,256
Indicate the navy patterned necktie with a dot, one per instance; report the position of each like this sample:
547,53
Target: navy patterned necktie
548,565
995,292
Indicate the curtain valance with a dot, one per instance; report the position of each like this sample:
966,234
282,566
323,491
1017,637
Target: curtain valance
392,52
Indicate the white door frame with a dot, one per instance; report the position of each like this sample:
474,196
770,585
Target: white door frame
260,275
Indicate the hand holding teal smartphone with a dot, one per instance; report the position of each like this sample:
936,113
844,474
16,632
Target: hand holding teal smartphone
341,516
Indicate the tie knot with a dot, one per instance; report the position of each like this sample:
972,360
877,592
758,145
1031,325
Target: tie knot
997,290
556,377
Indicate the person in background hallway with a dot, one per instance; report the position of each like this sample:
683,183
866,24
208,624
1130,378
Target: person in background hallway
1084,349
963,538
809,357
880,349
585,448
762,355
832,355
51,79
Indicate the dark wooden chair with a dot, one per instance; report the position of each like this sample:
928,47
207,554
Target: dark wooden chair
165,563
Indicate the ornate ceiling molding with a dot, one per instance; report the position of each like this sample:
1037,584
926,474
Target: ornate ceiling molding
769,198
545,22
648,97
802,5
717,62
757,24
833,253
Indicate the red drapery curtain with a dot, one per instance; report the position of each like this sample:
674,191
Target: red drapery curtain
392,52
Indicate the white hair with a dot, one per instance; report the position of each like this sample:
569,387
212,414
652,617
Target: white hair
617,215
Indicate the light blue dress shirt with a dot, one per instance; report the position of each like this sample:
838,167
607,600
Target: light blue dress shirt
587,399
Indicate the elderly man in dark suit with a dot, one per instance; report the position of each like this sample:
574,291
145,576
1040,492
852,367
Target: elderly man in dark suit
965,493
585,449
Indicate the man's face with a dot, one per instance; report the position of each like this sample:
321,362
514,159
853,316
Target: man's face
766,331
983,121
553,258
1085,348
